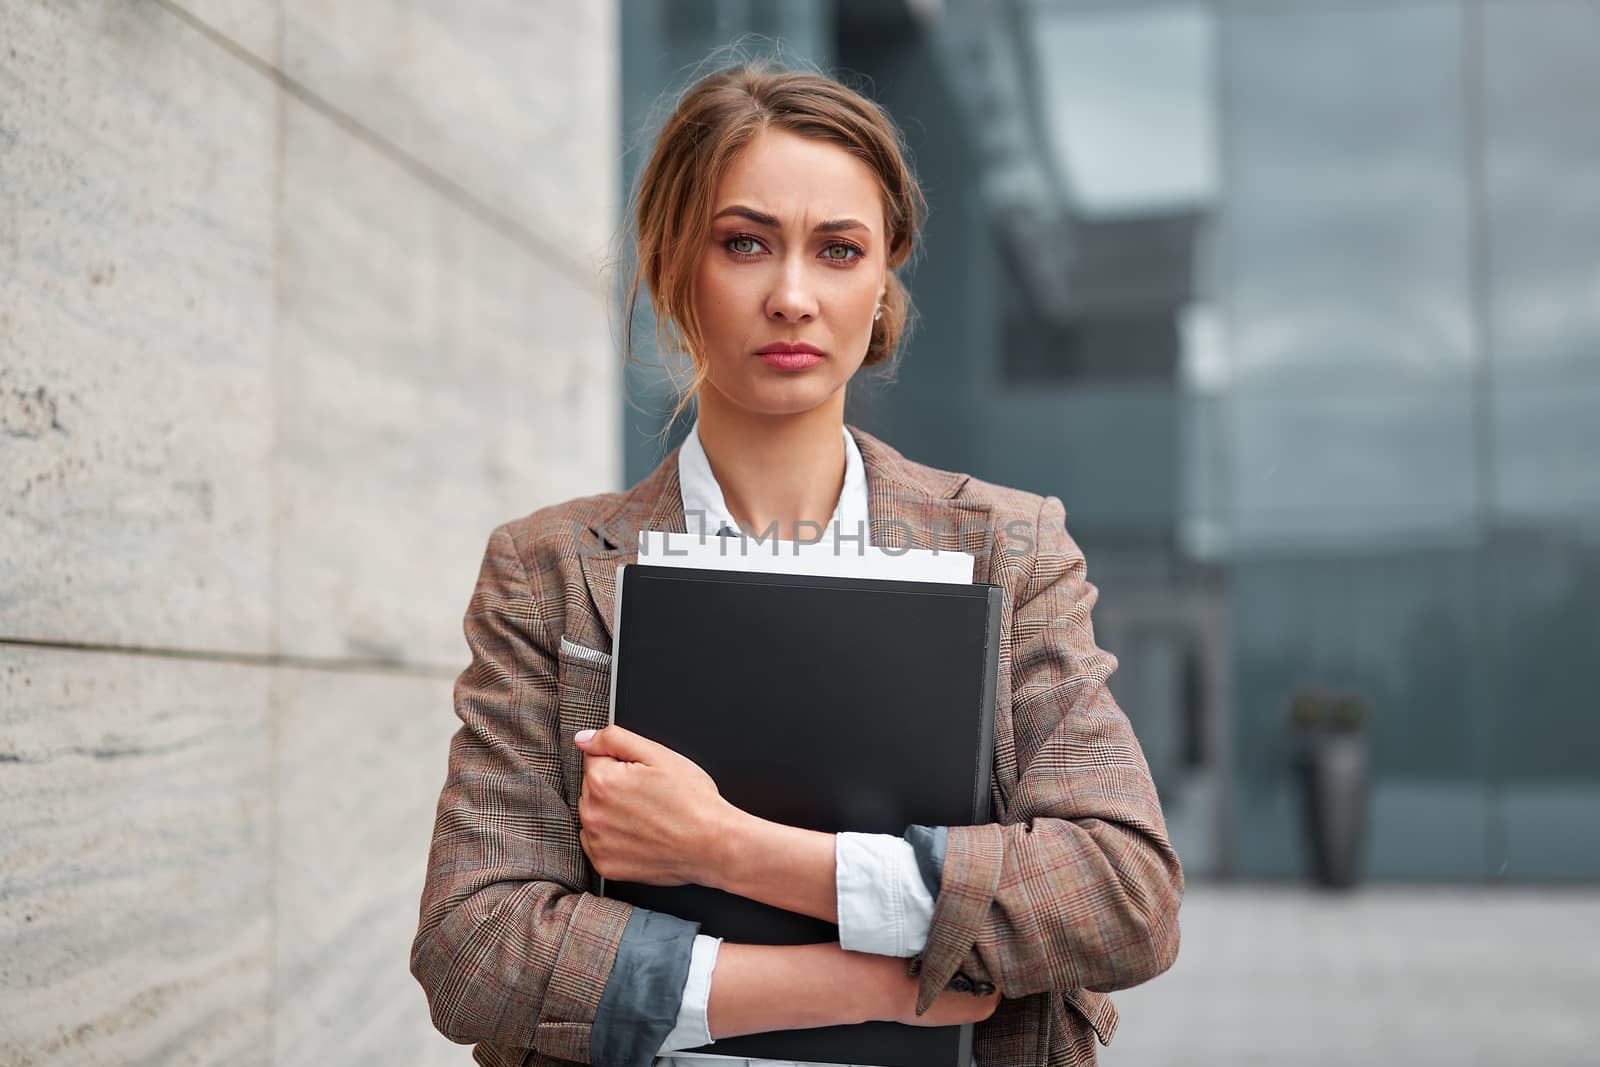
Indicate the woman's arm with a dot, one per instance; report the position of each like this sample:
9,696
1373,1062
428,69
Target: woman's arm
757,988
869,885
1079,887
652,815
509,949
783,866
1083,820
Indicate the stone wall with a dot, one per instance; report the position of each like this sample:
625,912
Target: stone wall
298,301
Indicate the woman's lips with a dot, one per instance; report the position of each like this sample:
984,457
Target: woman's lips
790,360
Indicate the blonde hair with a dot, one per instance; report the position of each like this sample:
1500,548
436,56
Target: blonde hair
713,121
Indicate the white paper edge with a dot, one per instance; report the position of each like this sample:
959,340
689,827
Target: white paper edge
692,551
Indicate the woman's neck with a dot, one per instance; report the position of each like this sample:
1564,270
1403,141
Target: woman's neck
776,471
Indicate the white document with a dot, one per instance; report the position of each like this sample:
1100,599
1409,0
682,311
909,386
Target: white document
825,557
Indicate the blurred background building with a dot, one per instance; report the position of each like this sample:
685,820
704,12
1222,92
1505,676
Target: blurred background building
1294,306
1294,303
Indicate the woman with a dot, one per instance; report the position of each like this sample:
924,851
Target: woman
770,220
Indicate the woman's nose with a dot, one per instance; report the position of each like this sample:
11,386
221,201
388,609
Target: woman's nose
791,298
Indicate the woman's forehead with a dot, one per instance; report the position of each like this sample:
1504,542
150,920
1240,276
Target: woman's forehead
800,182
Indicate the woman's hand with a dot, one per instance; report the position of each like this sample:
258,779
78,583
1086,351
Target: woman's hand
648,814
892,996
952,1008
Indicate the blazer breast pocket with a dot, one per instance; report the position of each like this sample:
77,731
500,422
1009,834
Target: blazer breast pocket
583,701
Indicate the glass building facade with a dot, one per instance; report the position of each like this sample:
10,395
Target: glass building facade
1296,305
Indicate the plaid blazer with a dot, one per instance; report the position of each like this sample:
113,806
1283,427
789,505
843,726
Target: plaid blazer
1071,892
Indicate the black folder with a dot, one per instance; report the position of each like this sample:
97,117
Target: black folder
828,703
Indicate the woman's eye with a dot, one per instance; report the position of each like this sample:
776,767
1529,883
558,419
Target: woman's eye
745,245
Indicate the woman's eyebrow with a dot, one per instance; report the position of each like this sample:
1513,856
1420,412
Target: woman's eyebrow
762,218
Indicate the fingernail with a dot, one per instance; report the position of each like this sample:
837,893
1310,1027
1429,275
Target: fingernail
583,736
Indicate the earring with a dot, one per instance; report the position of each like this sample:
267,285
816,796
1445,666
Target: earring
879,314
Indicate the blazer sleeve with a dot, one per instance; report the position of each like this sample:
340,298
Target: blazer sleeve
1079,887
509,948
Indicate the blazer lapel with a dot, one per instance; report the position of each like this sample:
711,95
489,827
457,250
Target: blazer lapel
656,503
909,507
912,507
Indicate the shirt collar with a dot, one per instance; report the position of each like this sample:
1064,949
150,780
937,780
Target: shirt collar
703,502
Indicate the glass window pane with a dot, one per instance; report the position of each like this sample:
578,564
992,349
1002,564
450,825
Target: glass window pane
1541,74
1346,226
1345,267
1541,79
1351,418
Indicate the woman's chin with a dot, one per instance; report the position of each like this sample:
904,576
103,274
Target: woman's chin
792,397
793,402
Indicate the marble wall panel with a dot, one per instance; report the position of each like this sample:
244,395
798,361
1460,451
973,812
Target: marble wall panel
361,760
136,876
136,331
435,380
511,100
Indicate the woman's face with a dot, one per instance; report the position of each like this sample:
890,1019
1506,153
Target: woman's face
796,255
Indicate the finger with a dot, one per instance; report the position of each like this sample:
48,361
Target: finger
592,761
622,744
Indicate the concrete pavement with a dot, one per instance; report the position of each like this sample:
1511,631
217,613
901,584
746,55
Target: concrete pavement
1413,975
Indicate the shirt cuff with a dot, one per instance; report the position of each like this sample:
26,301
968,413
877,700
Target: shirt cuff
885,906
929,843
692,1028
644,990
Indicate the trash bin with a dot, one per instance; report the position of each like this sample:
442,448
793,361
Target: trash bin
1331,766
